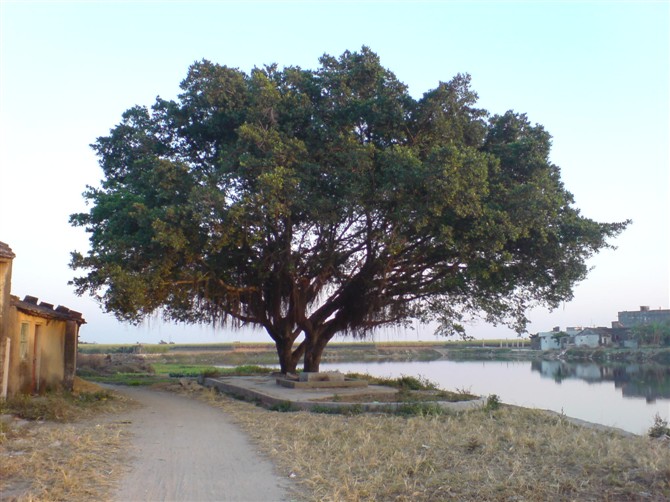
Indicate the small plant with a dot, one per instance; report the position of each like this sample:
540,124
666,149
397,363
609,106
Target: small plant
415,383
211,373
493,402
246,369
130,379
284,407
403,382
465,391
417,408
354,409
660,428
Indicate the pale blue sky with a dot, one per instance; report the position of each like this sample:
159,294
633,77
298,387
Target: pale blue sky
595,74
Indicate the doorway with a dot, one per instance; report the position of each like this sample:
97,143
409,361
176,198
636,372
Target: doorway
37,360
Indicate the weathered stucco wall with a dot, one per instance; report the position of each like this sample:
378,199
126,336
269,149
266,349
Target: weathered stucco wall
587,340
37,353
6,257
5,283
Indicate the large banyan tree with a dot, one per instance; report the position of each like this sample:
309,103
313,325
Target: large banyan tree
318,202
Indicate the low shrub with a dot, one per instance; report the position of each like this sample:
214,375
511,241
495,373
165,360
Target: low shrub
354,409
419,408
178,370
403,382
493,402
284,407
660,428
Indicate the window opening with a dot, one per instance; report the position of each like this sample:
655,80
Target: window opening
23,341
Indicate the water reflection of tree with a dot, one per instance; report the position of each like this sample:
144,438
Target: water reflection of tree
635,380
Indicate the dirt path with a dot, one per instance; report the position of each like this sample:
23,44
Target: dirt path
185,450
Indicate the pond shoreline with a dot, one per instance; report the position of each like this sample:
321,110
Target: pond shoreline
504,350
621,375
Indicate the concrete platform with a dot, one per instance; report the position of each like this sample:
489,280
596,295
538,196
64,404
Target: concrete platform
265,391
321,384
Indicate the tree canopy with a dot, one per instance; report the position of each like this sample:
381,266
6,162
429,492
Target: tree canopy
655,333
317,202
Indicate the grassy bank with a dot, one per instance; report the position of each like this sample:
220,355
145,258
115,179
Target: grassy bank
493,454
499,453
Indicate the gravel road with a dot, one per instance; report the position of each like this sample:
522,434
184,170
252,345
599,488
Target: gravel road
187,451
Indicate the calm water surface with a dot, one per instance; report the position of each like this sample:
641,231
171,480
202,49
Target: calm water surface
627,397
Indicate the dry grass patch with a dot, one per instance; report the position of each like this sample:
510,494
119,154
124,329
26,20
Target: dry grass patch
406,396
507,454
75,455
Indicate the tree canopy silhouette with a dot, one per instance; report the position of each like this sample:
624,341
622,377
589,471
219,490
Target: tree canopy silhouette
317,202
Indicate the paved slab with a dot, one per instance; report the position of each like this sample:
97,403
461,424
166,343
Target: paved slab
264,389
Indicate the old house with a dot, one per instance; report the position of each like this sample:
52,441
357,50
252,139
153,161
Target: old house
38,343
557,339
549,340
622,337
593,337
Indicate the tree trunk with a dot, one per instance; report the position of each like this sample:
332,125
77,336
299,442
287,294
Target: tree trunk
285,353
289,358
314,346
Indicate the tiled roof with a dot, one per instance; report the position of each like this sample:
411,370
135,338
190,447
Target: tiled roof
30,305
6,252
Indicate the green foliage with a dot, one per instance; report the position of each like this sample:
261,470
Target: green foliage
660,428
419,408
182,370
247,369
284,407
353,409
123,349
493,403
406,382
132,379
317,202
196,370
655,334
415,383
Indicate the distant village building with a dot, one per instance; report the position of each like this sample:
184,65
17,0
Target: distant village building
38,343
593,337
618,335
628,319
621,336
576,337
557,339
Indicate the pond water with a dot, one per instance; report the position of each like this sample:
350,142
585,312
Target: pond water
624,396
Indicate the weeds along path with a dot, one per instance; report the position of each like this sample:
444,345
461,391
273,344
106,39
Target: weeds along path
185,450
